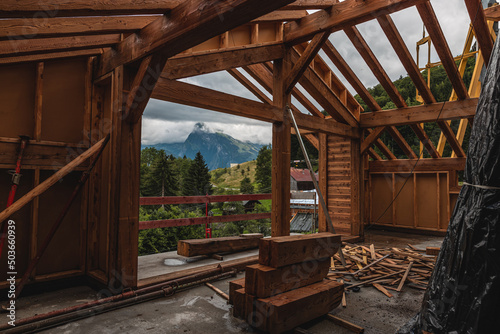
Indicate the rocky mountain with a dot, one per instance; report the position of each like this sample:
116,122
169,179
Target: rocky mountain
218,149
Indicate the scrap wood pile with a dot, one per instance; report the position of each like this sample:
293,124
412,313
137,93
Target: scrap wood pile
385,269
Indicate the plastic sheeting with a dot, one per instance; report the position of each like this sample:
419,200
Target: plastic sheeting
463,295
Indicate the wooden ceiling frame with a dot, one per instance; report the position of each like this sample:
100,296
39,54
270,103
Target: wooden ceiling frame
481,30
371,60
358,86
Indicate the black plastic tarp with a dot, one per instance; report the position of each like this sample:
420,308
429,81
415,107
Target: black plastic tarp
463,295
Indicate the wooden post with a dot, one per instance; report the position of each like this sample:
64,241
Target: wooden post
356,186
323,180
280,210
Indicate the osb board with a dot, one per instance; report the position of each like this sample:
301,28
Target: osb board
64,100
381,198
22,218
403,205
63,253
426,199
17,93
267,32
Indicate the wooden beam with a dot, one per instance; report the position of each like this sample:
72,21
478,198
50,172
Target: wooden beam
142,87
54,44
481,30
492,13
188,65
323,179
341,15
50,56
55,8
187,25
282,16
367,143
423,165
250,86
402,143
452,139
443,50
420,114
281,152
30,28
374,65
305,59
425,139
183,93
374,155
310,4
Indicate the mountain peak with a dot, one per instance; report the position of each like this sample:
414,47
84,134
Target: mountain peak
201,127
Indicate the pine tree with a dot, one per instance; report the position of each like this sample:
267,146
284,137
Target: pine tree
263,171
162,178
197,180
246,186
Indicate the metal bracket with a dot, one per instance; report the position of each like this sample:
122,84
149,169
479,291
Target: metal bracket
16,177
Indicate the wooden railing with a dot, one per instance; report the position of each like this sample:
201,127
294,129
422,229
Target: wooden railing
145,225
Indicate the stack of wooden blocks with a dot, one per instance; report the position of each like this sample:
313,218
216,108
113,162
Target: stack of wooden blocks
288,286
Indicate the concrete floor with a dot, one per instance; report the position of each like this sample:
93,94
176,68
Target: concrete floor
200,310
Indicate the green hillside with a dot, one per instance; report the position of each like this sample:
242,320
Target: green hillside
230,178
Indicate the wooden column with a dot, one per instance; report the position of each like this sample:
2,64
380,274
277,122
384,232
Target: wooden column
280,212
356,188
323,180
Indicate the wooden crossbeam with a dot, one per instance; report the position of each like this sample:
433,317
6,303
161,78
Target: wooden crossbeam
282,16
358,86
192,64
374,155
420,114
423,165
413,71
183,93
305,59
341,15
310,4
425,139
50,56
443,50
142,87
374,135
481,30
55,44
492,13
42,27
187,25
55,8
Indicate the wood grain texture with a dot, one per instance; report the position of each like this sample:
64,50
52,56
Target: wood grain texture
277,252
481,30
195,247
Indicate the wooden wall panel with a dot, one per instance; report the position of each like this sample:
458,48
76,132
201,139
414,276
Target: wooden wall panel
17,93
63,253
403,206
339,183
427,200
64,100
381,197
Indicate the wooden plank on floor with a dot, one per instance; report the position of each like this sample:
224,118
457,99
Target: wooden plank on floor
233,286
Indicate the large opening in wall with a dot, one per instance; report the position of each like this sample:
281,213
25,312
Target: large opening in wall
204,175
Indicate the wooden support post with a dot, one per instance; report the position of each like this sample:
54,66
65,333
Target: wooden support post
356,181
280,212
323,180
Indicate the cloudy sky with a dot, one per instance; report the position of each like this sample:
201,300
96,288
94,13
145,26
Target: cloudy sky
166,122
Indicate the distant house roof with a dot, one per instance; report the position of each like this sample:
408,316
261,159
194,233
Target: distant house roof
301,175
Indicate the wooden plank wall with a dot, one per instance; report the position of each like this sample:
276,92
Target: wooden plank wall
425,201
339,183
42,101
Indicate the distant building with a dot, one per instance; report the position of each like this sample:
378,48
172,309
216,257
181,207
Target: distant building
233,165
300,179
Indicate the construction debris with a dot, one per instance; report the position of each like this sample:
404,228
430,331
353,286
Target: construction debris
383,268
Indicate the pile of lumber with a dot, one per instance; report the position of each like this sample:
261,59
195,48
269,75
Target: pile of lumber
288,287
386,269
197,247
